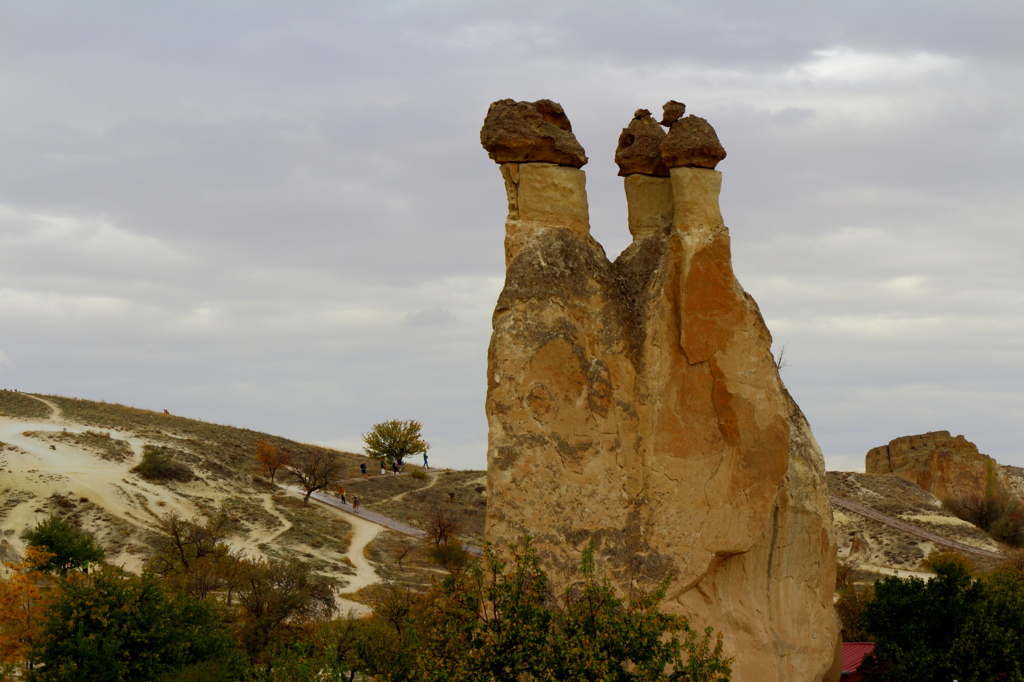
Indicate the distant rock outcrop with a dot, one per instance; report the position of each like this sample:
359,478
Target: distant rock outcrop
637,403
946,466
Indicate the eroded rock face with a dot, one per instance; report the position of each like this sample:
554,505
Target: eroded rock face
637,403
538,131
946,466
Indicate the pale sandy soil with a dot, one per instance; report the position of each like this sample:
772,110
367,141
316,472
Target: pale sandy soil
120,508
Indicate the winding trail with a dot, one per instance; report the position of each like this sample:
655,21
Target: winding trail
380,519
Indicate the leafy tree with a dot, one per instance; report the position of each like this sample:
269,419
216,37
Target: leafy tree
23,600
951,627
279,598
489,623
395,440
71,547
315,470
111,626
194,557
850,607
271,459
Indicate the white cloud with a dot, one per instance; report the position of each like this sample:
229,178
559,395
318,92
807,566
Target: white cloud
847,65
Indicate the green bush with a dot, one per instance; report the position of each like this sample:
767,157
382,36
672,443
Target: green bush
158,465
72,548
451,555
489,623
111,626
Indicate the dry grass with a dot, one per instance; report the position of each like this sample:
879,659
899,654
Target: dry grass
21,406
461,491
101,443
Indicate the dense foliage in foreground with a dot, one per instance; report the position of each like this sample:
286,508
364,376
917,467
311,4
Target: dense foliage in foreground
952,627
202,613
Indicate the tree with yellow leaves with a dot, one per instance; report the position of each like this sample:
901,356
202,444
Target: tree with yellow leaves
24,596
271,458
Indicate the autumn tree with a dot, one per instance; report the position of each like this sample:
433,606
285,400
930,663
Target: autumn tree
23,600
395,440
315,470
271,458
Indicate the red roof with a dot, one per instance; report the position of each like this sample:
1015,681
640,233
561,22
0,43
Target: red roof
853,652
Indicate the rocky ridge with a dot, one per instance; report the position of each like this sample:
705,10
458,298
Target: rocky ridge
944,465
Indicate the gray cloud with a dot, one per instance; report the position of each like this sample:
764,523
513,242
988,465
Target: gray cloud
279,216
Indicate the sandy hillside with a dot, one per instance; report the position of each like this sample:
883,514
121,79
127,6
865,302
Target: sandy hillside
877,546
73,458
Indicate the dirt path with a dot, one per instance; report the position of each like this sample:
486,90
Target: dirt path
910,528
434,475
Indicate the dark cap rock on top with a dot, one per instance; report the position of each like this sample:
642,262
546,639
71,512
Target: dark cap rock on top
639,149
523,132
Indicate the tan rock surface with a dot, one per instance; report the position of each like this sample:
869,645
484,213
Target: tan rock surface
944,465
637,403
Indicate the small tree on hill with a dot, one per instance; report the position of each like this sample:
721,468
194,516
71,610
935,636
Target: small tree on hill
395,439
71,547
271,459
315,470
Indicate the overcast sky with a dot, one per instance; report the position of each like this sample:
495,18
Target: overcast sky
278,215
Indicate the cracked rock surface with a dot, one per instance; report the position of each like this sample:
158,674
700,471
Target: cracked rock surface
636,403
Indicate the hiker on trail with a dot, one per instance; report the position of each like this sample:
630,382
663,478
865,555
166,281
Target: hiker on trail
394,467
342,491
425,465
362,468
355,504
382,469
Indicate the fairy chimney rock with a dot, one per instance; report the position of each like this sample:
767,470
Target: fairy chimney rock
636,403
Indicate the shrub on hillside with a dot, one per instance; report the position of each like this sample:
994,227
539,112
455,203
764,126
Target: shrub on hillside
997,511
71,547
158,465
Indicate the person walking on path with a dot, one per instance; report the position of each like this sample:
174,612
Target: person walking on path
355,504
362,468
394,467
425,465
342,491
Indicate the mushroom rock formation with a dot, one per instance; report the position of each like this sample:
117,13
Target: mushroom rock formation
516,132
637,404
